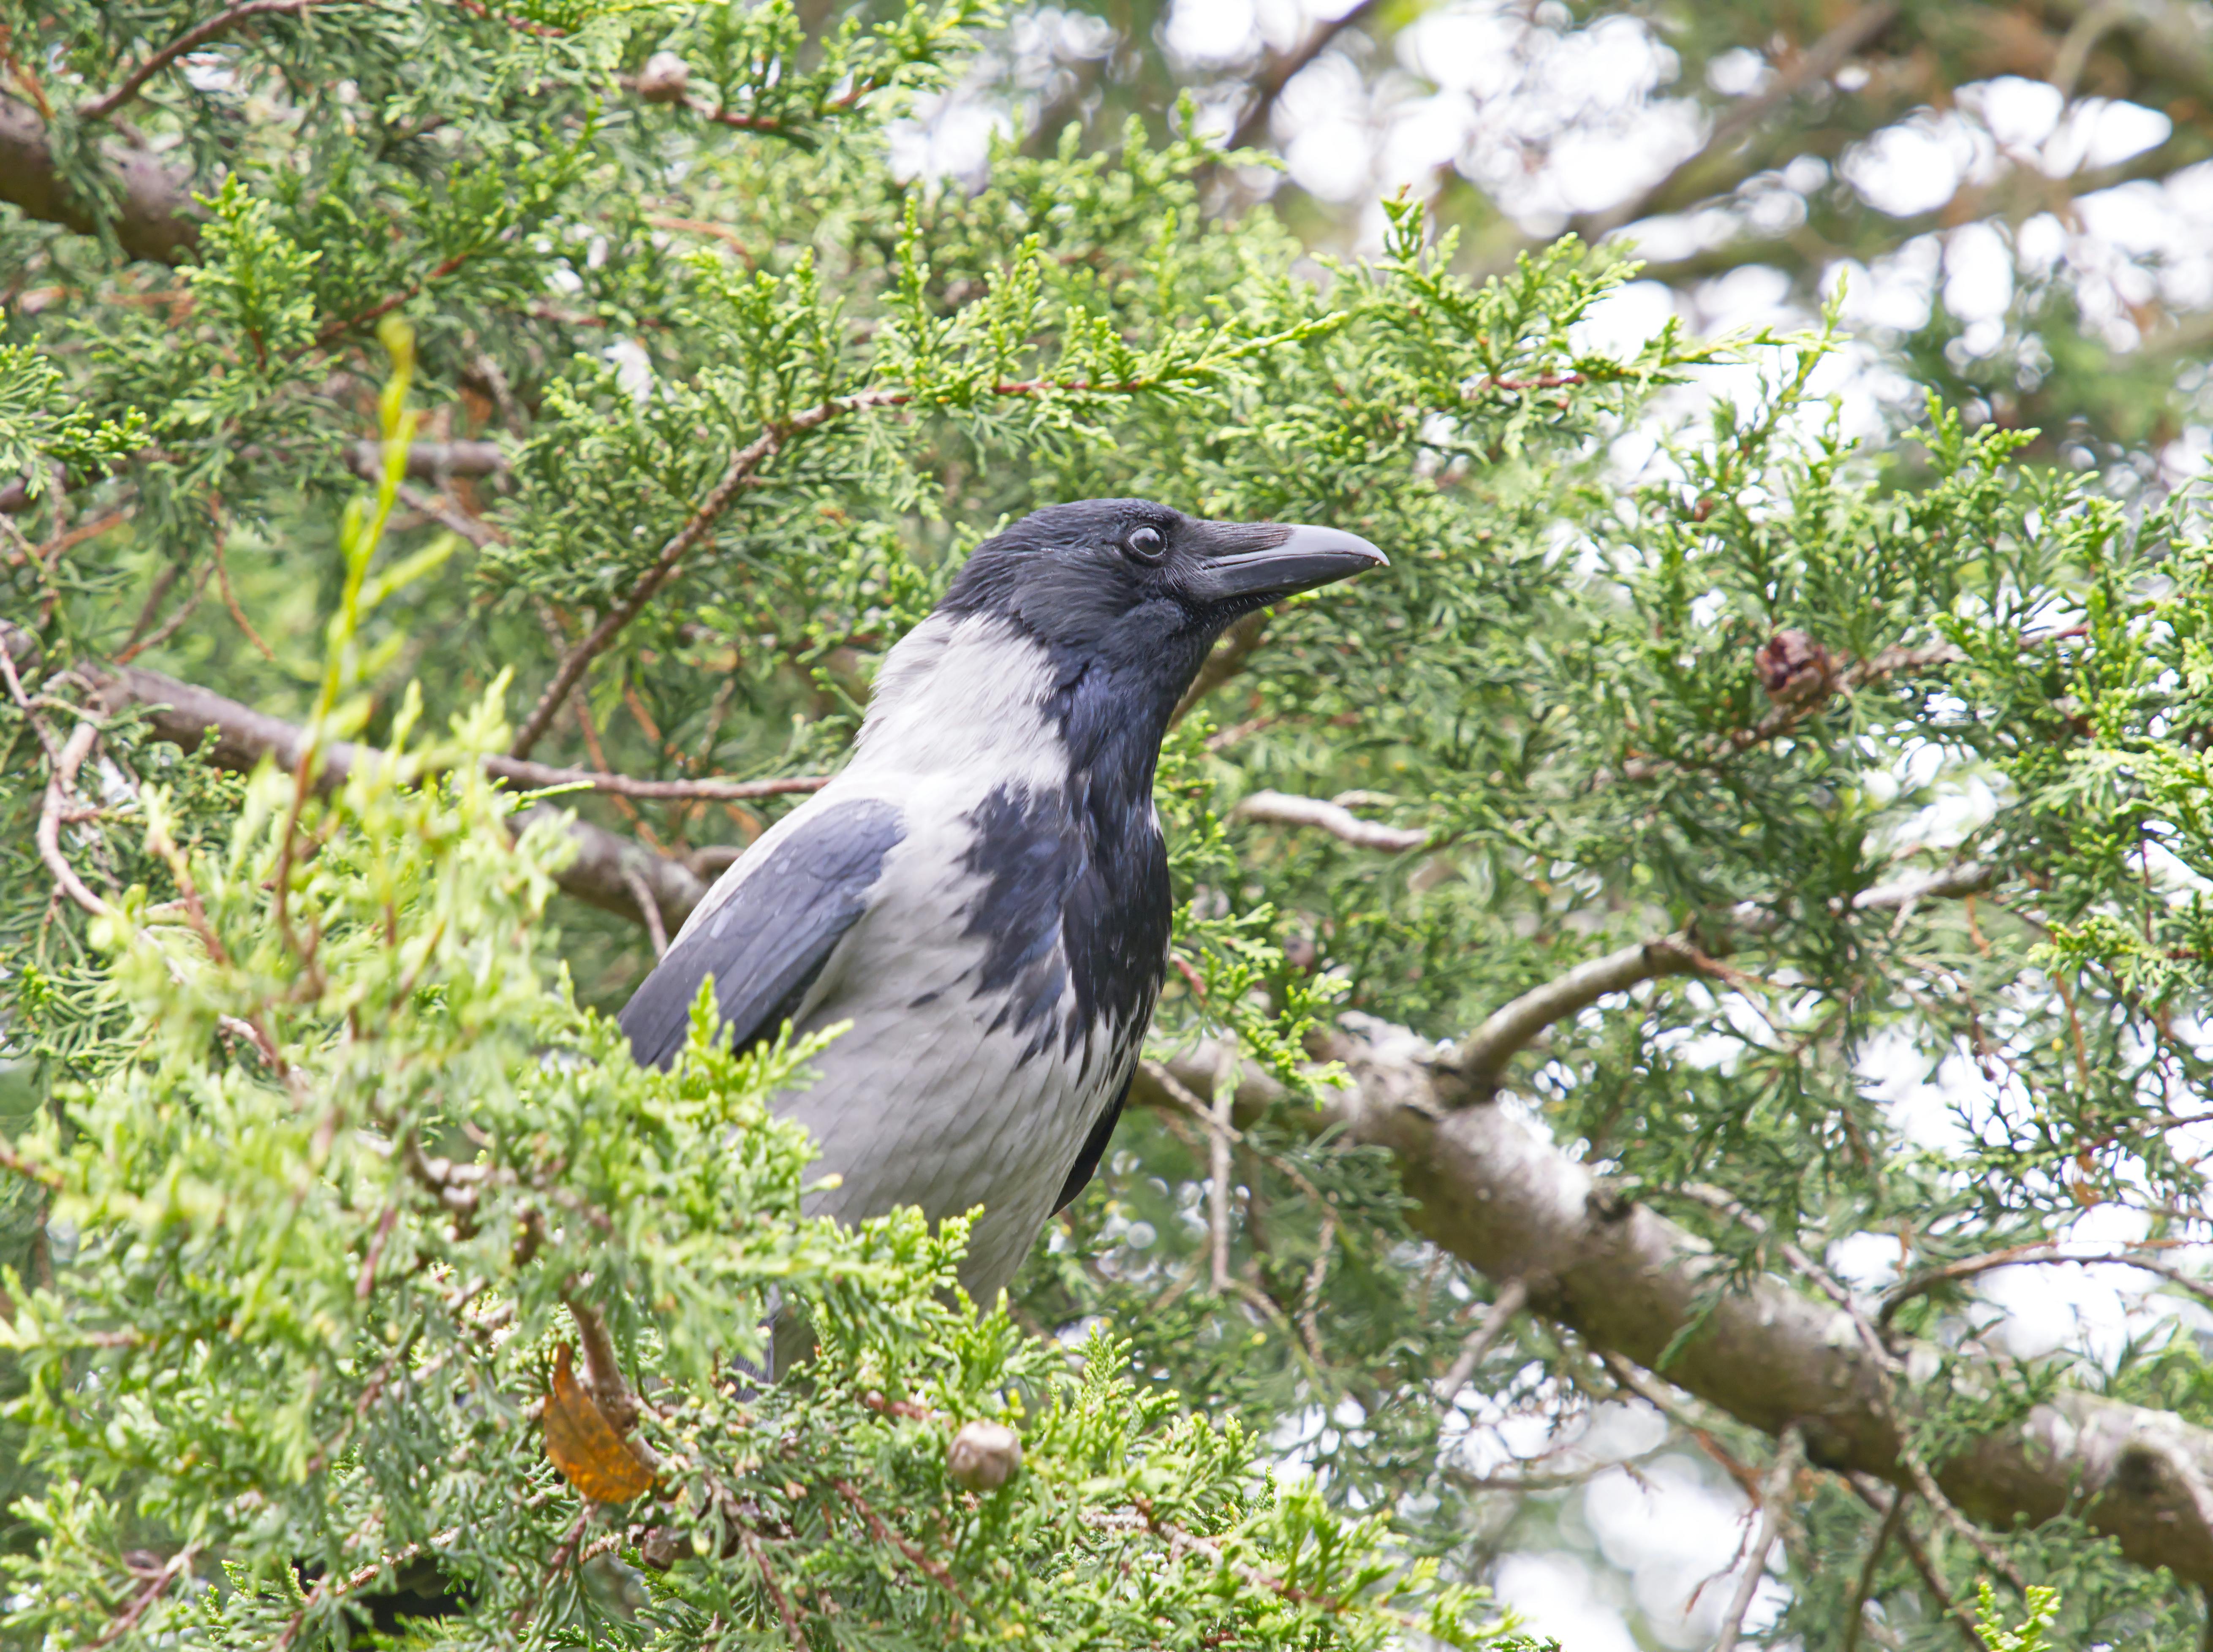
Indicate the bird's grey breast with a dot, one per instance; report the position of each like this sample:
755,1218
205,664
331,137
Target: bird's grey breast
999,989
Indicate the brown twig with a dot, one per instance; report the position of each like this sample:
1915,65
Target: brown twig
642,893
230,601
1856,1614
1817,62
1237,646
1880,1496
602,1367
792,1630
156,1587
1774,1498
522,26
2026,1255
936,1570
1253,126
478,533
391,301
736,476
1479,1061
1513,1297
101,107
1931,1494
168,627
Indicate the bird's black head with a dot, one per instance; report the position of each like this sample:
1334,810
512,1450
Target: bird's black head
1135,592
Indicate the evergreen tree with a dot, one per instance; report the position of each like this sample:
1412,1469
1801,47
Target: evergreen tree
472,458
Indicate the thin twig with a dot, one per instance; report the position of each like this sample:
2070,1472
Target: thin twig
179,1566
230,601
1856,1615
2026,1255
1237,646
792,1630
1220,1132
1878,1495
1253,126
736,476
1933,1495
1817,62
168,627
641,891
936,1570
59,781
1774,1500
101,107
1309,1314
477,532
1281,808
1479,1061
1513,1297
540,777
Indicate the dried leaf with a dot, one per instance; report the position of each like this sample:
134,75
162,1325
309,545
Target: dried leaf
584,1445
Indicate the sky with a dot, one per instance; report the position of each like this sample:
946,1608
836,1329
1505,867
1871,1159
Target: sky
1551,121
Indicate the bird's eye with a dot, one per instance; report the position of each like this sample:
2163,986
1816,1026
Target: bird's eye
1145,544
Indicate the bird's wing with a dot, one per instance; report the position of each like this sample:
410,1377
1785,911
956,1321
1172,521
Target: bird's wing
767,940
1094,1150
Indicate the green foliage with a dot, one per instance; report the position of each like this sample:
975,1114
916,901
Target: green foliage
42,425
326,1146
2043,1611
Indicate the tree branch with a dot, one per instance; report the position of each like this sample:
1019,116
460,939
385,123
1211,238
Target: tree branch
1477,1062
1631,1283
155,216
1237,646
743,464
1774,1499
605,871
1817,62
1281,808
1253,126
428,460
199,34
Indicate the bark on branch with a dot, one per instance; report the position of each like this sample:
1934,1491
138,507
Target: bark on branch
153,216
1631,1283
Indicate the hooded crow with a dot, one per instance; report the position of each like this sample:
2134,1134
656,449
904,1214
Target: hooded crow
983,890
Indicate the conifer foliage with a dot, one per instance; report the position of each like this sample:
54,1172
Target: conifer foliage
471,457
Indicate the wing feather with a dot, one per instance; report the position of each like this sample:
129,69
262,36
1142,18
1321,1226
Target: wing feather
767,940
1094,1150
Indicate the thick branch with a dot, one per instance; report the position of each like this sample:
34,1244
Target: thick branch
153,215
1488,1191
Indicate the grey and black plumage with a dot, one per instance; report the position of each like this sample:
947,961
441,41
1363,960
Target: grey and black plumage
983,891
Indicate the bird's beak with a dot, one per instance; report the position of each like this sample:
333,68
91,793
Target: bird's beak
1267,560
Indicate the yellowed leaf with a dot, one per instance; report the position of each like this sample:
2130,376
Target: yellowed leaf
583,1444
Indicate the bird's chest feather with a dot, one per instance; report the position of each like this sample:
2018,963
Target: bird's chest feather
1070,905
999,991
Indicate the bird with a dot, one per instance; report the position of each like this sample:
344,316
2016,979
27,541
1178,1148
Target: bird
982,890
